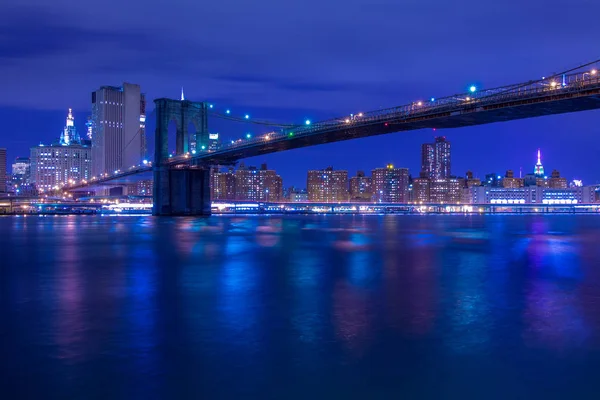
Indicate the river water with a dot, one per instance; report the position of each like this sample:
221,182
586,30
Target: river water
299,307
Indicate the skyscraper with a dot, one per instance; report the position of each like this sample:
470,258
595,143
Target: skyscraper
427,160
21,169
225,186
117,128
361,187
435,159
62,162
538,170
327,185
421,189
69,134
390,185
2,170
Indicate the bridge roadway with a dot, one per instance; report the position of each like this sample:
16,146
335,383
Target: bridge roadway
578,91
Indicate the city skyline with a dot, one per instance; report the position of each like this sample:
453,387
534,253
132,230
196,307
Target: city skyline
353,73
295,177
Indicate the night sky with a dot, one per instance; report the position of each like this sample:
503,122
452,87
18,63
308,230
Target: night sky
291,60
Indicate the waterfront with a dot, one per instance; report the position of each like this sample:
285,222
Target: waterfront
352,306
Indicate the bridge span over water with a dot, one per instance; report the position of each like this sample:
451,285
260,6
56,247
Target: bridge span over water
181,181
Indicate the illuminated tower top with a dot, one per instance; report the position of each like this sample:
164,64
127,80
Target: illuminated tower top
69,134
539,168
182,96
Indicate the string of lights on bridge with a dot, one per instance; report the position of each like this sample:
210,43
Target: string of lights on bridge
553,81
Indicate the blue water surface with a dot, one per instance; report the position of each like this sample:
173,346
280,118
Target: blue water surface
300,307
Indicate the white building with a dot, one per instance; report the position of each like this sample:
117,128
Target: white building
528,195
61,163
118,128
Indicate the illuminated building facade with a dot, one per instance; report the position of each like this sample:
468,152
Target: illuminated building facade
421,189
252,184
21,169
213,142
3,188
446,191
530,195
224,186
510,181
360,187
556,181
327,185
538,170
471,181
436,159
117,128
69,134
390,185
60,163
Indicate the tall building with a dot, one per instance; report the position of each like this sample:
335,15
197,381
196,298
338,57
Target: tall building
225,186
428,160
213,142
390,185
556,181
538,170
62,162
21,169
117,128
327,185
252,184
3,188
510,181
421,189
471,181
360,187
447,191
69,134
435,159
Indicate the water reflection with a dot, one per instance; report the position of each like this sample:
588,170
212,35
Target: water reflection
239,307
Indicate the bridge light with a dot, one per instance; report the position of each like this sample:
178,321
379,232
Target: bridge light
468,98
307,122
193,151
227,111
203,147
248,136
291,133
347,121
246,116
210,106
553,84
420,103
433,99
473,89
360,114
145,162
593,72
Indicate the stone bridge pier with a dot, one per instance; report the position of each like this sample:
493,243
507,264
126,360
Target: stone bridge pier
181,190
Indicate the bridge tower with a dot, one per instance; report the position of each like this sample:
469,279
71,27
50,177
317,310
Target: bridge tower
180,191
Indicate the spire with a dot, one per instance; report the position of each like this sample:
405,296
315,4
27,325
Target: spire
182,96
539,168
69,134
